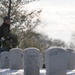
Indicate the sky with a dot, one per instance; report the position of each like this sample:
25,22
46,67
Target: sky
58,18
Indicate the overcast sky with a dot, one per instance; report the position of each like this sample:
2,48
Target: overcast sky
58,17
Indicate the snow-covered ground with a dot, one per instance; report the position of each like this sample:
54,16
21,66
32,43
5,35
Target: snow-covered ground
21,72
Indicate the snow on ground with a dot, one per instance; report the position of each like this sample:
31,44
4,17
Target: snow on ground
21,72
71,72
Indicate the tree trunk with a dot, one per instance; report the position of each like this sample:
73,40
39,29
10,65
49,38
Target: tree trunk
9,9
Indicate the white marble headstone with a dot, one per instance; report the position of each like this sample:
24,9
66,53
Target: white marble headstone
16,59
31,61
70,59
56,61
41,60
4,59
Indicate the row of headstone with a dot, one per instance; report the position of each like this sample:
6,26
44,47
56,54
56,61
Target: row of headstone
4,59
16,59
57,60
71,59
30,59
12,59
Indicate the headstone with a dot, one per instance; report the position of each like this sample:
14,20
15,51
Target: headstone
56,61
70,59
41,61
5,59
0,60
16,59
31,61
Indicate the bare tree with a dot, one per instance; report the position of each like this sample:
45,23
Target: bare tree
9,9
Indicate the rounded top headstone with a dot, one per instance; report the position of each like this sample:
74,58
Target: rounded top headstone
31,48
4,54
32,51
55,50
5,51
70,50
16,49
